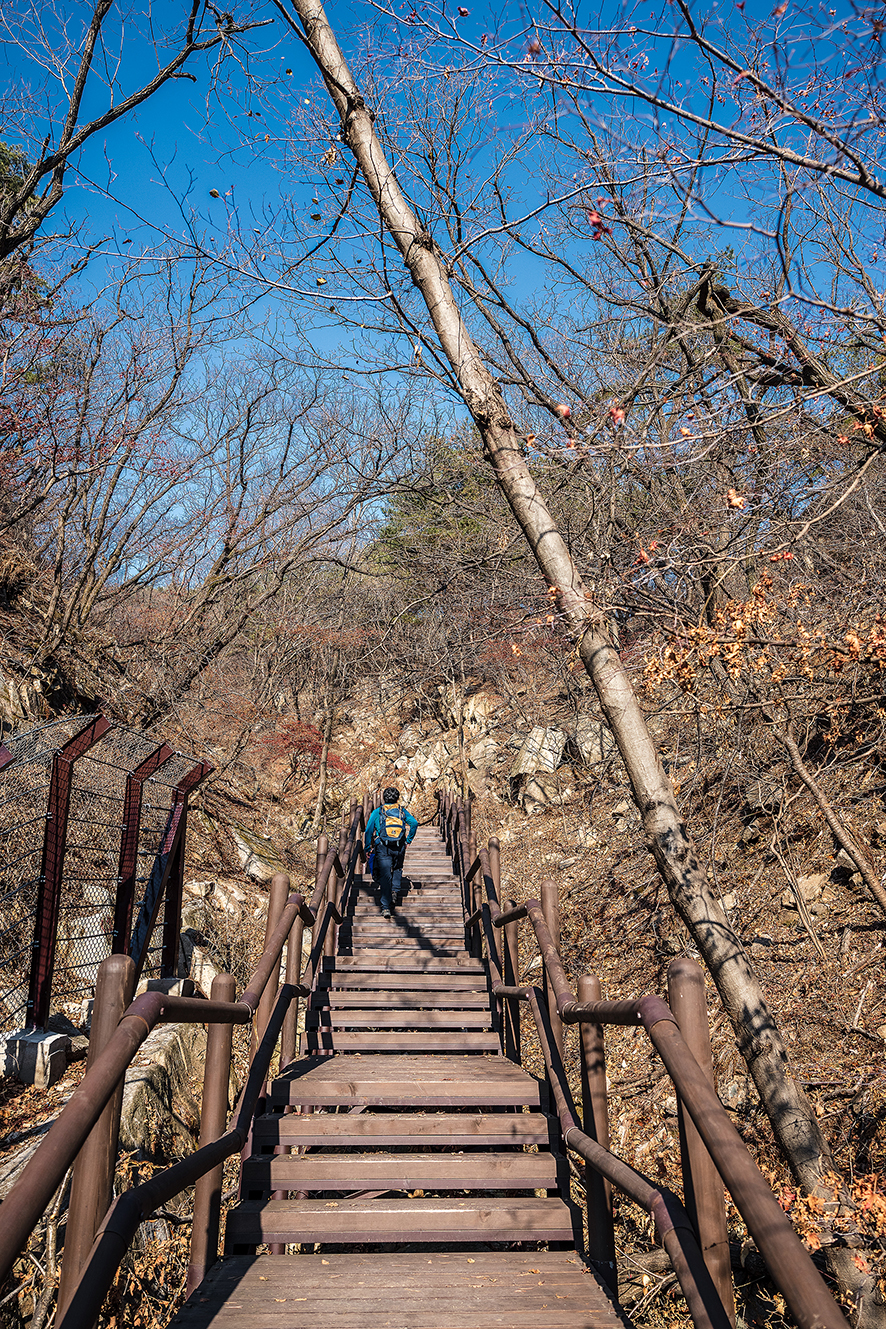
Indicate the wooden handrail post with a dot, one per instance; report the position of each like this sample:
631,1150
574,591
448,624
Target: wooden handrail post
213,1119
477,895
550,903
512,978
595,1122
702,1185
92,1182
289,1033
335,884
277,897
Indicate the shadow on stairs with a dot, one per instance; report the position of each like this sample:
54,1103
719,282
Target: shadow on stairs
406,1173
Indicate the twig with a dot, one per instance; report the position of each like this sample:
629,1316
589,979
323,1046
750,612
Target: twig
861,1002
802,906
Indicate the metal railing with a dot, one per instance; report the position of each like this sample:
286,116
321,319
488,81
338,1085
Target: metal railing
712,1152
92,831
85,1133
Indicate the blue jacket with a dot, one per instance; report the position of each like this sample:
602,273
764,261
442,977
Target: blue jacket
373,826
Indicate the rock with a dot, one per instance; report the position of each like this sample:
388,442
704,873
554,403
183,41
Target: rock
750,833
484,753
594,739
34,1057
846,861
760,796
624,808
157,1097
543,791
763,939
541,751
881,1031
258,857
729,901
566,863
587,838
810,887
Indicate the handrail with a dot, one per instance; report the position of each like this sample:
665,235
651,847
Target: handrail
43,1174
788,1261
132,1207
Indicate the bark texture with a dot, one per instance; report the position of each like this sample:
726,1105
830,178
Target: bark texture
789,1110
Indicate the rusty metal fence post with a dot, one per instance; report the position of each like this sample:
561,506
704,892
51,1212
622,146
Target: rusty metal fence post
595,1122
129,844
92,1181
213,1120
175,881
702,1184
49,892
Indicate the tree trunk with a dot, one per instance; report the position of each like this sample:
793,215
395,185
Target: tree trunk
759,1039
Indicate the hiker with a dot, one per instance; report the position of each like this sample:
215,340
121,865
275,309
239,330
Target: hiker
388,831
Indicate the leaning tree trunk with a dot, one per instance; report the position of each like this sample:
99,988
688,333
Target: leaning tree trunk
760,1041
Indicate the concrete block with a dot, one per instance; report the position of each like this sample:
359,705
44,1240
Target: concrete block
34,1057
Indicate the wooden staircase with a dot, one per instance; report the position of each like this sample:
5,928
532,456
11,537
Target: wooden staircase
411,1165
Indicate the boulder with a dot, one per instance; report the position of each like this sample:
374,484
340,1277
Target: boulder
157,1097
761,796
543,790
594,740
541,751
810,888
258,857
484,753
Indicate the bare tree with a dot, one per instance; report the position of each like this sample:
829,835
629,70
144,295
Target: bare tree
583,618
64,59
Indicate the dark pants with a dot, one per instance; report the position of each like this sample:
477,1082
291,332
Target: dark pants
388,873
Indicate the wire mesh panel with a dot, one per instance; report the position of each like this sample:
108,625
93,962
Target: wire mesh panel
24,790
92,858
157,803
74,876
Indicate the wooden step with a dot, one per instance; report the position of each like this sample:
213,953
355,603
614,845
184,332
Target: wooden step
384,1130
402,982
328,1040
395,964
408,909
400,1172
332,999
396,950
493,1218
425,1289
432,1081
380,962
323,1018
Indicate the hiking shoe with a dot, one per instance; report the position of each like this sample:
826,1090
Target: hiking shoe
386,913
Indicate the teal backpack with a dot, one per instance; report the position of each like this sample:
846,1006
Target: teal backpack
392,827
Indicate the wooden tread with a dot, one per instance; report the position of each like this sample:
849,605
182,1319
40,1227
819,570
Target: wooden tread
324,1018
432,1081
334,999
492,1218
455,1130
401,1290
408,1040
400,1172
378,962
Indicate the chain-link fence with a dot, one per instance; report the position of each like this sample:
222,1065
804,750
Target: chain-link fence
92,825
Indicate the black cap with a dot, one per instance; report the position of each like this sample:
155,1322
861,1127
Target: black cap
391,795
